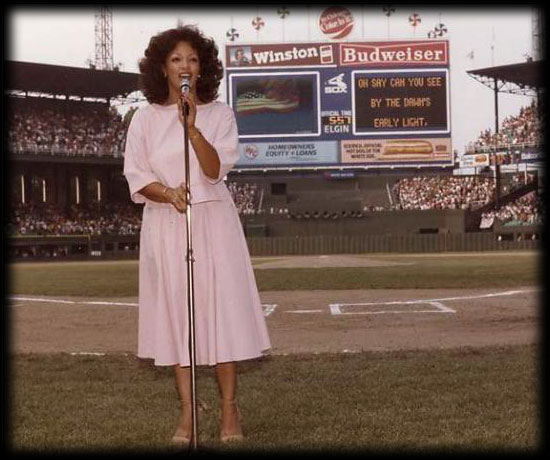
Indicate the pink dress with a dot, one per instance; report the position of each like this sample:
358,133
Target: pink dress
229,321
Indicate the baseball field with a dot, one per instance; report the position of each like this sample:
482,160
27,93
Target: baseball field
371,353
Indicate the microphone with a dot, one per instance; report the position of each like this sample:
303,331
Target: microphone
185,87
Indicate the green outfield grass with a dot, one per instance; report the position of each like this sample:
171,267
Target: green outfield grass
454,270
446,400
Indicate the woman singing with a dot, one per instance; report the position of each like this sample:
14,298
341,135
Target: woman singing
229,322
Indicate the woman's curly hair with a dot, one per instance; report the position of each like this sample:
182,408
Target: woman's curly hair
152,81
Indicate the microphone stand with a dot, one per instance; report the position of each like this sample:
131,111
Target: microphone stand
190,284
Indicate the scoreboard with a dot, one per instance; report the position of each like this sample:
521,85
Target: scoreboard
400,102
372,104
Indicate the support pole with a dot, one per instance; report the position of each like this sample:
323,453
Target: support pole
190,291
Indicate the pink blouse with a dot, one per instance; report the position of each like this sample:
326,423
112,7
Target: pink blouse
155,150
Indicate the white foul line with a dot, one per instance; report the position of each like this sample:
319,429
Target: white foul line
303,311
87,353
496,294
33,299
72,302
267,308
125,304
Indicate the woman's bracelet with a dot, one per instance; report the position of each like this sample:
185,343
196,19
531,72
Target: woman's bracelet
196,134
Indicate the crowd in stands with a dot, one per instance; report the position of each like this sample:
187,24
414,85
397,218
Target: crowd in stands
428,192
418,193
524,129
104,219
74,129
66,129
526,210
518,180
448,192
49,219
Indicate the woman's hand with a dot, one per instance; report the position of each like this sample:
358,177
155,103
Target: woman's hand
178,197
189,99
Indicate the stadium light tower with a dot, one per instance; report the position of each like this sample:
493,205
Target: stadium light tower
104,39
536,34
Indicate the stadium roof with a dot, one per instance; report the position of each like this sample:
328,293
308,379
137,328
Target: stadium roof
69,81
523,78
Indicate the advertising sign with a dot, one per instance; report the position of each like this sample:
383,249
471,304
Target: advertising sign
336,22
367,104
395,151
474,160
291,153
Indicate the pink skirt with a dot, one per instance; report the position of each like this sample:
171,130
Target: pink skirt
229,321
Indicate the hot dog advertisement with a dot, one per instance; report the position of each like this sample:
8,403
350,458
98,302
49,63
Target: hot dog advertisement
389,152
475,160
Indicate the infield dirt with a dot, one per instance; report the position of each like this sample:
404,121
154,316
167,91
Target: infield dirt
303,321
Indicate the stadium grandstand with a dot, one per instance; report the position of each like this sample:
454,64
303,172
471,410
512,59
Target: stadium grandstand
517,134
69,198
66,139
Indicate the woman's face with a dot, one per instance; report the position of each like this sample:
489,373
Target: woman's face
182,60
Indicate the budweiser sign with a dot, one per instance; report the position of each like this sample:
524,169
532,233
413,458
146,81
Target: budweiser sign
422,53
390,54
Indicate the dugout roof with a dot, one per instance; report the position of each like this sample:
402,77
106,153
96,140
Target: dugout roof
69,81
523,78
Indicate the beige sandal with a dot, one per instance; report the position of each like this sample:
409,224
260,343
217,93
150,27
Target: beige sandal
182,438
234,437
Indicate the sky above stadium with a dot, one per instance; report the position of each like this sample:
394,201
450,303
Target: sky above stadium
478,38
